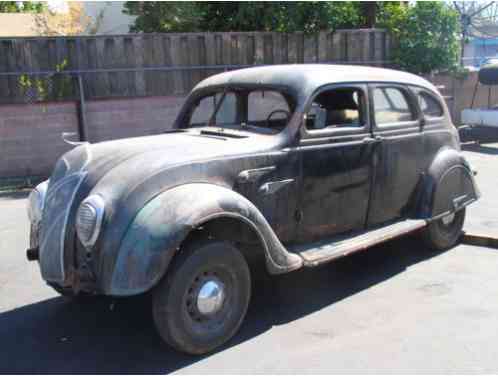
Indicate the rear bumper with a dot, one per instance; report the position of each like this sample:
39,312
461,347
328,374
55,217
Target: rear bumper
478,133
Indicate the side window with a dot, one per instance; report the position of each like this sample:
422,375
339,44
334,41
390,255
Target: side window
260,104
391,106
429,105
337,108
227,113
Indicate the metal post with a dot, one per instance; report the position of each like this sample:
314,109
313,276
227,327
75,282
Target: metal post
82,129
489,96
475,92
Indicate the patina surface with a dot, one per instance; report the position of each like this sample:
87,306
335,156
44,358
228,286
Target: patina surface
283,188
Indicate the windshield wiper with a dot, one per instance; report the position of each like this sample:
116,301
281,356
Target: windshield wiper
211,121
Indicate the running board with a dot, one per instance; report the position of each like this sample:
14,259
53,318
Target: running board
327,250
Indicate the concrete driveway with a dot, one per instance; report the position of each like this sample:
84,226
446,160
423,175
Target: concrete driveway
484,213
398,308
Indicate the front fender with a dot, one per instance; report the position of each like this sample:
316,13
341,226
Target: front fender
159,228
449,185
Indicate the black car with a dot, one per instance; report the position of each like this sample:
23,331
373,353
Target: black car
278,167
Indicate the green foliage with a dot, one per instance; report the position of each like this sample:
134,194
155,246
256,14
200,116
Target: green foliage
425,35
278,16
52,87
155,17
21,7
243,16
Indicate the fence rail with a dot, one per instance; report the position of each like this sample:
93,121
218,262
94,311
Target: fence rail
170,64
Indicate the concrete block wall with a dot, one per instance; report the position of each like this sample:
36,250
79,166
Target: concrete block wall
131,117
30,137
31,134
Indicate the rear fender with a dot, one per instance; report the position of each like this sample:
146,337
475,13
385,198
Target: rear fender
448,185
159,228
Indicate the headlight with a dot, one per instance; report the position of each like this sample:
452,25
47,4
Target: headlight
36,201
89,219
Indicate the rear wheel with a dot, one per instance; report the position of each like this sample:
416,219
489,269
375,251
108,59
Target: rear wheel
203,299
444,232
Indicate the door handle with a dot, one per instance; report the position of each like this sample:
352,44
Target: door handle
372,140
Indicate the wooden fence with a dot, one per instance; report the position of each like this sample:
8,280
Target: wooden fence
165,64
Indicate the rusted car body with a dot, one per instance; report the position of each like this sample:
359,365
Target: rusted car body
343,158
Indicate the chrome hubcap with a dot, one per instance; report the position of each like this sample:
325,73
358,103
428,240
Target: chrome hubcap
210,297
448,219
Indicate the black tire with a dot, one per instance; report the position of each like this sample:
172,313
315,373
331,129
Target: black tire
177,313
70,296
440,236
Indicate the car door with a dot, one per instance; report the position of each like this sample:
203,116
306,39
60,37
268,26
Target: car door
396,124
336,162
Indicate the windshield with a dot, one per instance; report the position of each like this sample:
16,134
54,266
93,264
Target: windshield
263,111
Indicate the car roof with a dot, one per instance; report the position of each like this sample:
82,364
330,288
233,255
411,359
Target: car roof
304,79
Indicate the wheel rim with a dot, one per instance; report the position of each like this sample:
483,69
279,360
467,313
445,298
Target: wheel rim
208,300
210,297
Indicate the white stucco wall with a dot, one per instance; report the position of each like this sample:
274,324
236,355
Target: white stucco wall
17,25
114,21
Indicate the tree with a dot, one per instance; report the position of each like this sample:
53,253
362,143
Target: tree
369,11
477,20
243,16
425,34
21,7
154,17
73,22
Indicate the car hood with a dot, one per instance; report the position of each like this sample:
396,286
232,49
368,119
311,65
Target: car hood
125,160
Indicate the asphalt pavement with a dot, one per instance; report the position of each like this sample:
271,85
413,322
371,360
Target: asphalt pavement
397,308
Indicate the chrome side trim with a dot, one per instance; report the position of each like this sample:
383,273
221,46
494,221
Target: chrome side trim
272,187
247,176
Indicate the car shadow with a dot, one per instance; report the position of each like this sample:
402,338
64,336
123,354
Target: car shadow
479,148
118,336
14,194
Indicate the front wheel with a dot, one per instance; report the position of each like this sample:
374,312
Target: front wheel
202,300
443,233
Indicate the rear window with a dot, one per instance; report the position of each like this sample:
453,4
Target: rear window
391,106
429,105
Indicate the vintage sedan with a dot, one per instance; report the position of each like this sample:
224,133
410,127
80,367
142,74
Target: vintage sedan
275,168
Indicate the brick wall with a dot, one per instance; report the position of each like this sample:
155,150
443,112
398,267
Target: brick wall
30,135
121,118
